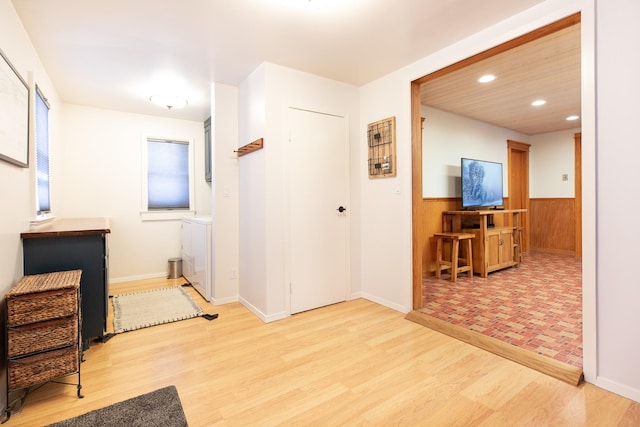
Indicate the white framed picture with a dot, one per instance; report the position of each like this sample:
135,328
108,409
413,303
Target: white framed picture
14,115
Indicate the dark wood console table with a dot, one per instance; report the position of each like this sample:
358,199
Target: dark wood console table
70,244
494,247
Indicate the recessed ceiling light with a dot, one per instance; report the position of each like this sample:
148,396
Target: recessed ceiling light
168,101
538,102
487,78
571,118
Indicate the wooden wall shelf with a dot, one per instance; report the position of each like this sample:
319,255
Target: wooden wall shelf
250,147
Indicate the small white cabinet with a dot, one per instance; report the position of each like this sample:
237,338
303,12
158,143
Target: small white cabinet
196,254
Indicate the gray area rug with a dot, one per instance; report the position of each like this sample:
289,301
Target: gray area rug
158,408
149,308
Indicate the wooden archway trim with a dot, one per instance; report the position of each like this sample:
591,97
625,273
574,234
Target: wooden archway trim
511,44
577,138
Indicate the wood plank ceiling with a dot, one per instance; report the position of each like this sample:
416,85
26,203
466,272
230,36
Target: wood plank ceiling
547,68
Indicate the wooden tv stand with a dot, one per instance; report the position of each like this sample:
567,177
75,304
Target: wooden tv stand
495,246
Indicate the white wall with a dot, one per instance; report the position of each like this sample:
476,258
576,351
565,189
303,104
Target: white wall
618,187
17,186
386,203
17,206
15,181
100,173
252,194
265,97
447,137
552,155
225,200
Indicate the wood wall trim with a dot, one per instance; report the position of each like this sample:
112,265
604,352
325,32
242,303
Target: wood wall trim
511,44
518,178
577,138
418,231
517,145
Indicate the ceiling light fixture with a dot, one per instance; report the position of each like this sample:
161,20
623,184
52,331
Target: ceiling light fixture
571,118
487,78
302,4
538,102
168,101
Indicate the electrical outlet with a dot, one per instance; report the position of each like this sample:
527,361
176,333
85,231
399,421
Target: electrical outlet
234,274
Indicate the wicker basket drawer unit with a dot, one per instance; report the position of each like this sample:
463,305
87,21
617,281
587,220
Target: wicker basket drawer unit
43,324
42,367
43,297
41,336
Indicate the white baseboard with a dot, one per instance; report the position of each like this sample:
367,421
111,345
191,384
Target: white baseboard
617,388
389,304
227,300
139,277
264,317
355,295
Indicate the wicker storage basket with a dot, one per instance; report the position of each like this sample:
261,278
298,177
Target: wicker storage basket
43,297
42,336
42,367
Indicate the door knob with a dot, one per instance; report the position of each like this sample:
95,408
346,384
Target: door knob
341,209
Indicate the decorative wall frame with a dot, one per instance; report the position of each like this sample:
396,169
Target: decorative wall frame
381,138
14,115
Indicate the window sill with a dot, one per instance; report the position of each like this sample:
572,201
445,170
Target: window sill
41,220
168,215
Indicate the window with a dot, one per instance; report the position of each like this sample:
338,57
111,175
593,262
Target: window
168,179
167,175
43,202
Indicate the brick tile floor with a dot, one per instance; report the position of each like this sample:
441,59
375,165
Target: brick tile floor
536,306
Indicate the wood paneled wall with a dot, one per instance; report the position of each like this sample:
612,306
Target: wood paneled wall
553,225
431,222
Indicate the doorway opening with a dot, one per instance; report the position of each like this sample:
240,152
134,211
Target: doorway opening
427,211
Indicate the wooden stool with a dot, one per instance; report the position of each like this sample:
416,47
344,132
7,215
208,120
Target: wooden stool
453,264
517,245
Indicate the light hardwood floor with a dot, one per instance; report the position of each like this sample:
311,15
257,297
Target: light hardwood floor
354,363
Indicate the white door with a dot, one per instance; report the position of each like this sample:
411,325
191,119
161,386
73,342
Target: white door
319,244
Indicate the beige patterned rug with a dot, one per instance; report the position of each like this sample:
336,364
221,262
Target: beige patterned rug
139,310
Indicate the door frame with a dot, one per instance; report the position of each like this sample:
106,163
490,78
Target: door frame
577,150
523,177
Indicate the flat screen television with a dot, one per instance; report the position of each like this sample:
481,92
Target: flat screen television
481,183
